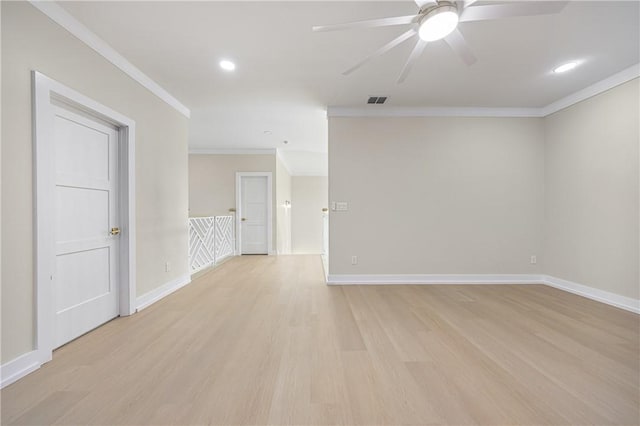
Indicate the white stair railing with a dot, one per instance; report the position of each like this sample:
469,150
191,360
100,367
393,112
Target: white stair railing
211,240
224,241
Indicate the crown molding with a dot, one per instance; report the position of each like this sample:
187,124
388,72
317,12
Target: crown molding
63,18
579,96
310,174
376,111
275,151
593,90
218,151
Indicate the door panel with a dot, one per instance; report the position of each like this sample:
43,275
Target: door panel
82,213
254,205
78,280
86,287
90,144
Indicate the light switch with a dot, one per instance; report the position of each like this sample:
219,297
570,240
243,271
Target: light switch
342,206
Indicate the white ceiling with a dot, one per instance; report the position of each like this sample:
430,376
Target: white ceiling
287,75
304,163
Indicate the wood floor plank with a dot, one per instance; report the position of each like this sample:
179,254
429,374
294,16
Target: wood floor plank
262,340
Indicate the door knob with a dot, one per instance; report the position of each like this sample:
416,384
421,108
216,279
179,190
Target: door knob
243,219
115,231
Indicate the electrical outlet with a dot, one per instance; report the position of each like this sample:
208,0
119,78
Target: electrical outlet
534,259
167,267
354,260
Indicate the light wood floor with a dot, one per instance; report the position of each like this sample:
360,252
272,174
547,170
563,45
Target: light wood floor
261,340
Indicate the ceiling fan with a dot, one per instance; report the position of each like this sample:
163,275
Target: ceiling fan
438,20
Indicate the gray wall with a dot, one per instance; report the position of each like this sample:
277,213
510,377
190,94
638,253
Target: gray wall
481,195
30,41
591,203
309,198
436,195
212,180
283,212
212,183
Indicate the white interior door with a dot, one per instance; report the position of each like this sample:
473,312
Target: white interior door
254,214
85,291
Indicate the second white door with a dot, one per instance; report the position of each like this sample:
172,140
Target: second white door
85,290
254,204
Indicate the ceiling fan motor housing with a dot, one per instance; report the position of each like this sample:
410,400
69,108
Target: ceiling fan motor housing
428,9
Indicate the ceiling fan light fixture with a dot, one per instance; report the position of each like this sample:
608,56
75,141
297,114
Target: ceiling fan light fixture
565,67
227,65
438,23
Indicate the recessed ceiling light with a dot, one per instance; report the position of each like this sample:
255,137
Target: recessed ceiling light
227,65
438,23
565,67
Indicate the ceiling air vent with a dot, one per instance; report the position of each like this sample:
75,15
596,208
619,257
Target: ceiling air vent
376,99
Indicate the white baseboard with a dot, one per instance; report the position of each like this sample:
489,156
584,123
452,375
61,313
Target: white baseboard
381,279
19,367
161,292
609,298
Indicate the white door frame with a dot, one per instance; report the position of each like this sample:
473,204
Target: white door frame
239,176
45,91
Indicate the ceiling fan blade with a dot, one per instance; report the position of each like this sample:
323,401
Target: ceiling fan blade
467,3
497,11
393,43
458,44
422,3
415,54
382,22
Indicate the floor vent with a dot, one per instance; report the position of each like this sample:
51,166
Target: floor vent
377,99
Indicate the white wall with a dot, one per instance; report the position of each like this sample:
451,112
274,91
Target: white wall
283,212
592,221
212,182
310,195
31,41
436,195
